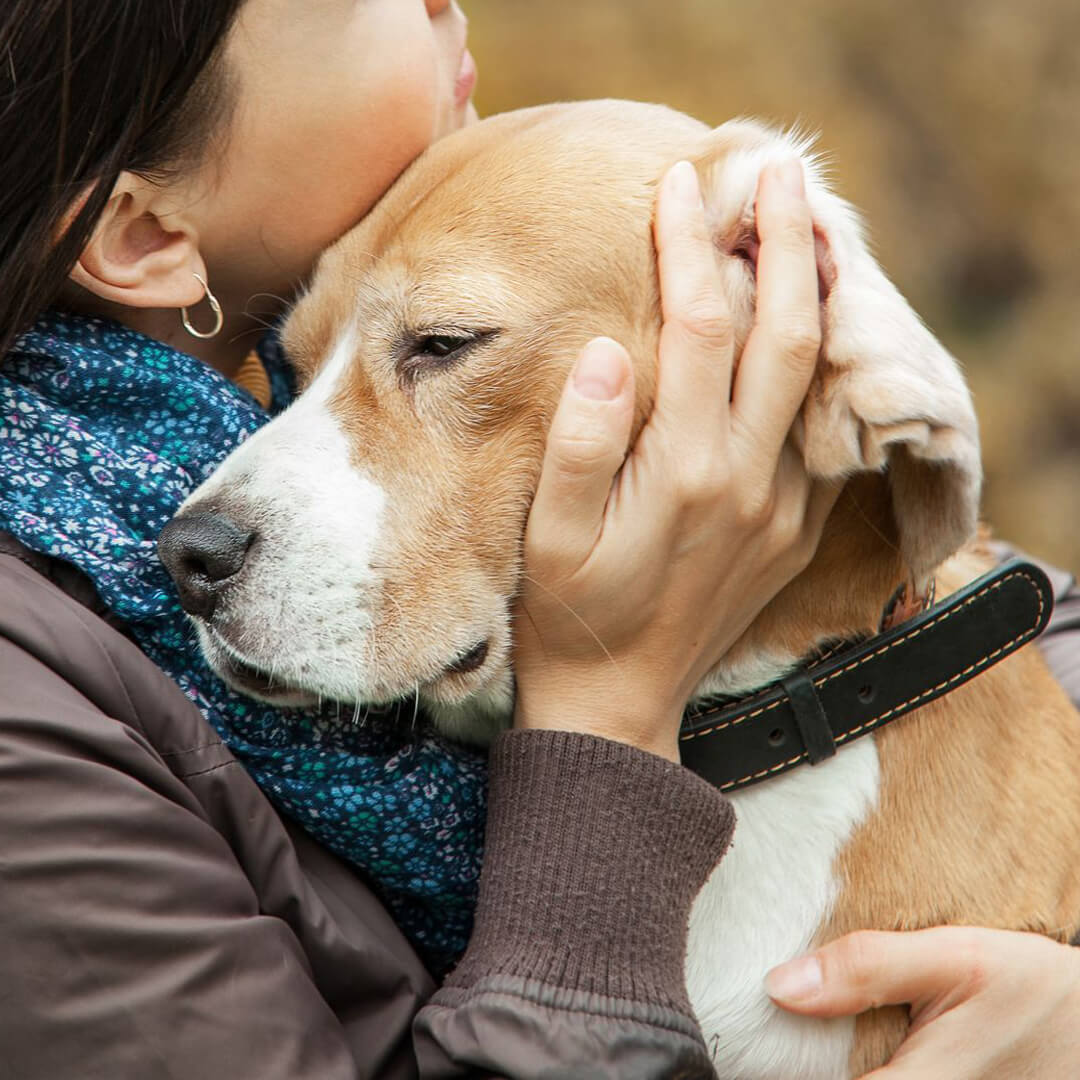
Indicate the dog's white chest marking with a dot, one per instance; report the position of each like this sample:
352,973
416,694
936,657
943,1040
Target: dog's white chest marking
763,905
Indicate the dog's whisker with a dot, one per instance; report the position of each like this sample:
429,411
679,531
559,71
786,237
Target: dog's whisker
370,654
532,622
873,528
589,630
249,332
269,296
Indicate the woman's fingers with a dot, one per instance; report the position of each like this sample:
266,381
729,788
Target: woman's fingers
587,444
630,599
780,356
697,342
869,969
912,1069
984,1003
800,508
824,495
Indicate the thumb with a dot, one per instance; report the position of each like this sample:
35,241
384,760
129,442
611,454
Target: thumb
869,969
908,1068
586,447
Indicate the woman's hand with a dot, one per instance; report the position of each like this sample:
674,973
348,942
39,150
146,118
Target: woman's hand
636,588
985,1004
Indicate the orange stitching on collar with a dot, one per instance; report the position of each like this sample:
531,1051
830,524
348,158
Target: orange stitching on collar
689,736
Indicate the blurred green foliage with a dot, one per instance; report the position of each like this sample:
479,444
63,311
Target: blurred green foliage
953,124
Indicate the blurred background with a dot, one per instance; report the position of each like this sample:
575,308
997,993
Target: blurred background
953,124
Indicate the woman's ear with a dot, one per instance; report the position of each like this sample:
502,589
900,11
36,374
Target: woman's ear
141,255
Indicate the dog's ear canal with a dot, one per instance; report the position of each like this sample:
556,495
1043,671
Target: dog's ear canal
826,267
886,397
746,245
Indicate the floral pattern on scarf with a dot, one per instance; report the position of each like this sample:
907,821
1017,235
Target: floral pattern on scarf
103,434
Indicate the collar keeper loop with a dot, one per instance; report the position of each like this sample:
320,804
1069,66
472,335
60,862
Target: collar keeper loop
810,717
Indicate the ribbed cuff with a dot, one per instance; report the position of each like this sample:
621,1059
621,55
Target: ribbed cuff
595,853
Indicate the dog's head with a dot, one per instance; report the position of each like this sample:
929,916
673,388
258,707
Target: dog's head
366,544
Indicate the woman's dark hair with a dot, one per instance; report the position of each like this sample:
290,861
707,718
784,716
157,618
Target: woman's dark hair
88,89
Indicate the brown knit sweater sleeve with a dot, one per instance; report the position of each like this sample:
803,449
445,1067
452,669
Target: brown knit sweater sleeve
595,853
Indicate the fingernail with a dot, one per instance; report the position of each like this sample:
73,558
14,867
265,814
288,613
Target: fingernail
797,981
685,184
791,177
600,373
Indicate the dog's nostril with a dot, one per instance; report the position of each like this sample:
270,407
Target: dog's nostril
201,551
472,660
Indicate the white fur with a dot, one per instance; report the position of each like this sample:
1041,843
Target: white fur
746,677
312,589
763,905
479,718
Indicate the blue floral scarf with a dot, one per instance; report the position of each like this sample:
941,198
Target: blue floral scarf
103,434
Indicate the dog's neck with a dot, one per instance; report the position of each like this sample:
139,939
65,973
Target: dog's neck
856,583
758,671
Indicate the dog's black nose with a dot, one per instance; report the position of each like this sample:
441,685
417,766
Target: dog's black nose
202,551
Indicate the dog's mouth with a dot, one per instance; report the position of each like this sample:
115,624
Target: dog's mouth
470,661
251,678
257,682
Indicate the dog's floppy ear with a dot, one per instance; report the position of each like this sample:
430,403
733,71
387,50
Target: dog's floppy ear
886,394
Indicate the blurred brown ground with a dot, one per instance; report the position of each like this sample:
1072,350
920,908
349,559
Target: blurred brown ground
953,124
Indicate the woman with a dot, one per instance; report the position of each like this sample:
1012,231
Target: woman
158,917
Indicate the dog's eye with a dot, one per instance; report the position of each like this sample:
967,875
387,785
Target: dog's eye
442,345
427,353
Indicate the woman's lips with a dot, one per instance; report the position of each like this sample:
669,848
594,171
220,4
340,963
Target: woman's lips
466,80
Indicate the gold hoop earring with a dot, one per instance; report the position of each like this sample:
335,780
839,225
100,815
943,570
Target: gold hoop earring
215,307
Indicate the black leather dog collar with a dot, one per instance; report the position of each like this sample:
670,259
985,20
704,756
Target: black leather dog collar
815,710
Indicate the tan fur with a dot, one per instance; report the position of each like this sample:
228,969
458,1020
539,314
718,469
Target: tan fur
537,224
978,816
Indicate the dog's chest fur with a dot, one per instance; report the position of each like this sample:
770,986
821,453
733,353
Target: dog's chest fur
764,904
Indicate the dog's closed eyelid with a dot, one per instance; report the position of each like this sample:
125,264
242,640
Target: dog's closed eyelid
431,351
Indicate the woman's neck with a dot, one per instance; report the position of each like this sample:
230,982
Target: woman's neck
225,352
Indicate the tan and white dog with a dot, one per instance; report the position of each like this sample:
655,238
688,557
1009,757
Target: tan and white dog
377,530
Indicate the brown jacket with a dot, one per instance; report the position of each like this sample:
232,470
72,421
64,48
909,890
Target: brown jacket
158,919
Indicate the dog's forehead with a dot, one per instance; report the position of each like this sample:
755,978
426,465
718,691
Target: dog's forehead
513,214
555,178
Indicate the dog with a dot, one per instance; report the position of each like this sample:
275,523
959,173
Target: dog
374,538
